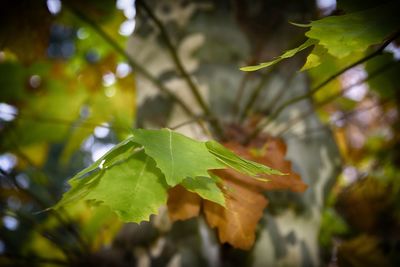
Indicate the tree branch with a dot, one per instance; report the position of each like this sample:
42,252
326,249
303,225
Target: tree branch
331,98
346,115
185,75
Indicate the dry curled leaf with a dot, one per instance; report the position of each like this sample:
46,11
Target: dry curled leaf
236,224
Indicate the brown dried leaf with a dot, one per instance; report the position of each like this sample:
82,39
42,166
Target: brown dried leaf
182,204
236,224
272,153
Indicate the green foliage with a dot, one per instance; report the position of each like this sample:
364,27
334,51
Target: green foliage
386,83
332,224
133,177
341,36
355,32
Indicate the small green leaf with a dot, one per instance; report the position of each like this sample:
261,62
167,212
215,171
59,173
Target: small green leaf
231,160
315,58
177,156
206,188
133,188
287,54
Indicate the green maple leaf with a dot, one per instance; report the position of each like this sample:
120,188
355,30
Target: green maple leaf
134,176
134,188
177,156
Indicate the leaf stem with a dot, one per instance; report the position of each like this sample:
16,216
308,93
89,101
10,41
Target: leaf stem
313,91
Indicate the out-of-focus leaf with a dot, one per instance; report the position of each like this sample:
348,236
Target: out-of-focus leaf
386,83
36,154
119,98
355,32
44,118
315,58
365,203
99,11
362,251
25,28
287,54
98,226
11,81
332,224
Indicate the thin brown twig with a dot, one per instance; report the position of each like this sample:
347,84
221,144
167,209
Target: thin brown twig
254,95
331,98
239,94
344,116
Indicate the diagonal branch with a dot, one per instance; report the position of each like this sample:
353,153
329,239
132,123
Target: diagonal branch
185,75
331,98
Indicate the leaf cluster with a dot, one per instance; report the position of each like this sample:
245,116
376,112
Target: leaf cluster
133,177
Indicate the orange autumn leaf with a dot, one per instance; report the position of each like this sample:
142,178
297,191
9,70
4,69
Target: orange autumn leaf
272,153
182,204
236,224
